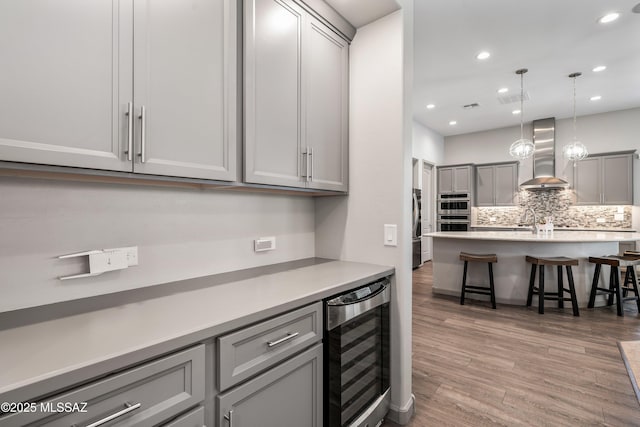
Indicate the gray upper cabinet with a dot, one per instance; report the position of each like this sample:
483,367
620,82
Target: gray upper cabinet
605,179
326,124
185,74
454,179
497,184
150,87
66,80
296,89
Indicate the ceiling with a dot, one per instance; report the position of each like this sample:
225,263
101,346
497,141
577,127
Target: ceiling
363,12
551,38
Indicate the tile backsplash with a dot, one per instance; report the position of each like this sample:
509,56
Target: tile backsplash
559,204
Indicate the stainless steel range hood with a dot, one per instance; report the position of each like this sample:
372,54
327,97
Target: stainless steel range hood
544,157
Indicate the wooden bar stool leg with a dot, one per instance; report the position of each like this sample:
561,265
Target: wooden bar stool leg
560,288
464,283
634,284
532,281
541,290
616,277
612,281
493,292
594,286
572,291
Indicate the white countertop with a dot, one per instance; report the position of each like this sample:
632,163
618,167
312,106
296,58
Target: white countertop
527,236
521,227
97,342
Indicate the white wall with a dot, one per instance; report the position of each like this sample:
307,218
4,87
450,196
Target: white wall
428,145
181,233
379,179
607,132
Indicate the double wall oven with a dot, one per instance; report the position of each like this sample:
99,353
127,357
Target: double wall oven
454,212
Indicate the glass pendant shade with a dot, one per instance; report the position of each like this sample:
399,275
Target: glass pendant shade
575,151
522,148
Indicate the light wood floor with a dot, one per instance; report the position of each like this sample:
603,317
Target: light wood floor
474,366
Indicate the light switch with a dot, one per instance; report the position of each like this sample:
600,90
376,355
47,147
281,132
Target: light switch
391,235
618,217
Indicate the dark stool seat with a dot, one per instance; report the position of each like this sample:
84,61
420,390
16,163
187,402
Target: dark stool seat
475,289
559,262
630,284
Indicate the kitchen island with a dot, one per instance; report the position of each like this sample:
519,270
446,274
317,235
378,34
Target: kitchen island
511,272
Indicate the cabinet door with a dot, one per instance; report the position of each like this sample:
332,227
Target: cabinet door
185,79
326,80
273,67
506,184
617,180
65,82
586,179
287,395
462,179
485,185
445,180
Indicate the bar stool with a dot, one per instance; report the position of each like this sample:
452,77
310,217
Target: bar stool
475,289
630,283
559,295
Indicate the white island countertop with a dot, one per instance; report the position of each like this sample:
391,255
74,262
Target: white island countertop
527,236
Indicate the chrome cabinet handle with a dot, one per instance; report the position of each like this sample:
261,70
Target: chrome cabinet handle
229,418
310,156
143,133
284,339
305,160
129,408
129,115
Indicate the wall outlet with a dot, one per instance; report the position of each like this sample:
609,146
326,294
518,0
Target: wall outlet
618,217
601,220
492,219
131,254
620,209
262,244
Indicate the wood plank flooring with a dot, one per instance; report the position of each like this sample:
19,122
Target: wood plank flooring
474,366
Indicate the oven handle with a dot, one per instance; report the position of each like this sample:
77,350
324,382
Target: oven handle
339,314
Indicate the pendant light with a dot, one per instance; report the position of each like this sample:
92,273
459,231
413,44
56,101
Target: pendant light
522,148
576,150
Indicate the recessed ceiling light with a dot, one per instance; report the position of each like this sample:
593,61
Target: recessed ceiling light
483,55
596,98
431,106
453,123
599,68
515,112
503,90
609,17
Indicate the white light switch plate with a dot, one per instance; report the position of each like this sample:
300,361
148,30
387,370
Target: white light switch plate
601,220
618,217
391,235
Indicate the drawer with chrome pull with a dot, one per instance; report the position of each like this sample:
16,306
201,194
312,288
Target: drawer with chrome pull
248,351
145,395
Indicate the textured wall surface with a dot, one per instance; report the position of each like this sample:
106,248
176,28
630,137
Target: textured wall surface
559,205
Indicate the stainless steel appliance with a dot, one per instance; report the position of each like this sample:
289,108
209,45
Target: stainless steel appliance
454,212
417,228
356,357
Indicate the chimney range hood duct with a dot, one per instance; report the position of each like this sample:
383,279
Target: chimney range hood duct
544,157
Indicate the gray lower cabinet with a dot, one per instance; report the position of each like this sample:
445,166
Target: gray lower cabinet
147,395
604,179
288,395
497,184
295,98
150,87
193,418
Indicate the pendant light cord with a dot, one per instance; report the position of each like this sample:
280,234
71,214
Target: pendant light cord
522,105
574,109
